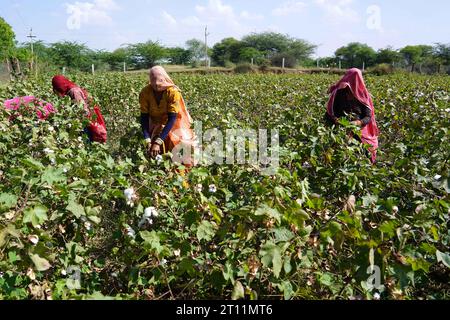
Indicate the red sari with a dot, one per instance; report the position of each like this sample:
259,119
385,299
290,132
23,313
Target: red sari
353,80
97,128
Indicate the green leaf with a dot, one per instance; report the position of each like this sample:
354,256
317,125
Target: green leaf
36,215
7,201
41,264
283,235
32,163
443,257
53,175
152,240
205,231
238,291
76,208
265,210
271,257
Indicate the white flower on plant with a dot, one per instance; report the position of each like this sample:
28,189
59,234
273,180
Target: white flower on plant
177,252
199,188
376,296
437,177
51,129
212,188
49,151
394,209
33,239
53,161
163,262
159,159
64,272
447,110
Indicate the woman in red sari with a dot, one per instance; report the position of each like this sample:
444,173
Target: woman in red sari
350,97
96,130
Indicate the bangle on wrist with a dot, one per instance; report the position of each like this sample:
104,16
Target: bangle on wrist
159,141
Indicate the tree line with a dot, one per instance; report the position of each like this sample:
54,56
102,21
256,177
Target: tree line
260,49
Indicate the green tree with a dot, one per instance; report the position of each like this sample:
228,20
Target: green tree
416,54
269,43
388,55
71,55
197,49
276,45
145,55
7,37
228,50
179,55
247,54
355,55
441,52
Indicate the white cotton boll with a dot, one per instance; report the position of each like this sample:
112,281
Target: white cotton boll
177,253
151,212
88,226
199,188
48,151
33,239
394,209
64,272
376,296
163,262
51,129
437,177
129,193
130,232
159,159
65,170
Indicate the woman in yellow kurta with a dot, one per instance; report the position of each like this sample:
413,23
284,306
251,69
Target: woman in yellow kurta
165,121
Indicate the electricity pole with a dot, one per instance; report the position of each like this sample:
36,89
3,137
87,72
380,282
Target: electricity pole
206,47
32,47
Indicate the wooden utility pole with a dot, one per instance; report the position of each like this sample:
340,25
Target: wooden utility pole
32,47
206,47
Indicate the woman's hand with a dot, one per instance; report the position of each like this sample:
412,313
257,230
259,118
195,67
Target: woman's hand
357,123
154,150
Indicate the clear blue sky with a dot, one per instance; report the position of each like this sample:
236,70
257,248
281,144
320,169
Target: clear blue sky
108,24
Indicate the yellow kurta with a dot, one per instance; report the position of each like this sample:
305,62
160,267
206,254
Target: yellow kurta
170,103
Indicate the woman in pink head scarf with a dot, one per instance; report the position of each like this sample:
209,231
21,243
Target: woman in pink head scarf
165,120
350,97
42,108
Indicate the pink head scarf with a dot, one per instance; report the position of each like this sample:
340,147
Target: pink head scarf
353,80
160,79
42,108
